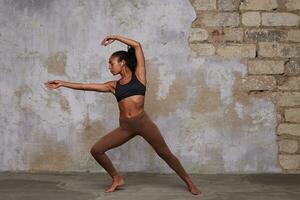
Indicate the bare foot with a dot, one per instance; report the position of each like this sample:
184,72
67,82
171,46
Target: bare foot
194,190
117,181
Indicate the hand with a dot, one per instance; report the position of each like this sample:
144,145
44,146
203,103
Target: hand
108,40
53,84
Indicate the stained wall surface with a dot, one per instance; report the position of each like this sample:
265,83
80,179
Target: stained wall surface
209,123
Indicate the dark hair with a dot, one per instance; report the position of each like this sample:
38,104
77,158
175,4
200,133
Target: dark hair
128,56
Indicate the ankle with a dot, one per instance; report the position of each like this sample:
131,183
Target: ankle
188,181
117,176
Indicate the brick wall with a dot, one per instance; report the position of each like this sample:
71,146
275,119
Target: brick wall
265,35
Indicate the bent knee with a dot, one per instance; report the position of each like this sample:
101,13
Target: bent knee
96,151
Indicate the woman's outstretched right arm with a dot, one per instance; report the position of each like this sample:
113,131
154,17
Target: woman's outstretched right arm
99,87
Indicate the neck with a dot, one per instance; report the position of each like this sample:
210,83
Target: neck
125,73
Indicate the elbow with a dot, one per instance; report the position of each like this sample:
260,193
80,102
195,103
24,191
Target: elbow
137,45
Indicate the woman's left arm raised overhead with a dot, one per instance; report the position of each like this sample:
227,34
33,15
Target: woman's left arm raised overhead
140,66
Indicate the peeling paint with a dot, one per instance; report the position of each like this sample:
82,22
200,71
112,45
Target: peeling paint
50,155
56,63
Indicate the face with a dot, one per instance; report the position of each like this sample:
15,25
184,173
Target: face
114,66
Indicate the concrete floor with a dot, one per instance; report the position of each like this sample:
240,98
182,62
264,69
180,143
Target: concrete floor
145,186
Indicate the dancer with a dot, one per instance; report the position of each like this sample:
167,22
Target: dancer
129,92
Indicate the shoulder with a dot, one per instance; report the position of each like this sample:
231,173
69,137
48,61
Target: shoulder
112,84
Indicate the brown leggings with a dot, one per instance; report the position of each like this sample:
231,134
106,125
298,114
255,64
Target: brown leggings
142,125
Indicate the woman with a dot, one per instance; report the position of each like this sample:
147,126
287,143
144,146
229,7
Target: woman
133,120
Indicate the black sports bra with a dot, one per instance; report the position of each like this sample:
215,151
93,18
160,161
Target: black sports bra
133,87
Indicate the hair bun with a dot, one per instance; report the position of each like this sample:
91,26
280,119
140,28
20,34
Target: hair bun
131,50
132,57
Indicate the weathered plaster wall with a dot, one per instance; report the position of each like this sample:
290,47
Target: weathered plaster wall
208,121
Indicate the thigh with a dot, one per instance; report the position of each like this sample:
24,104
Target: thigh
112,139
151,133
